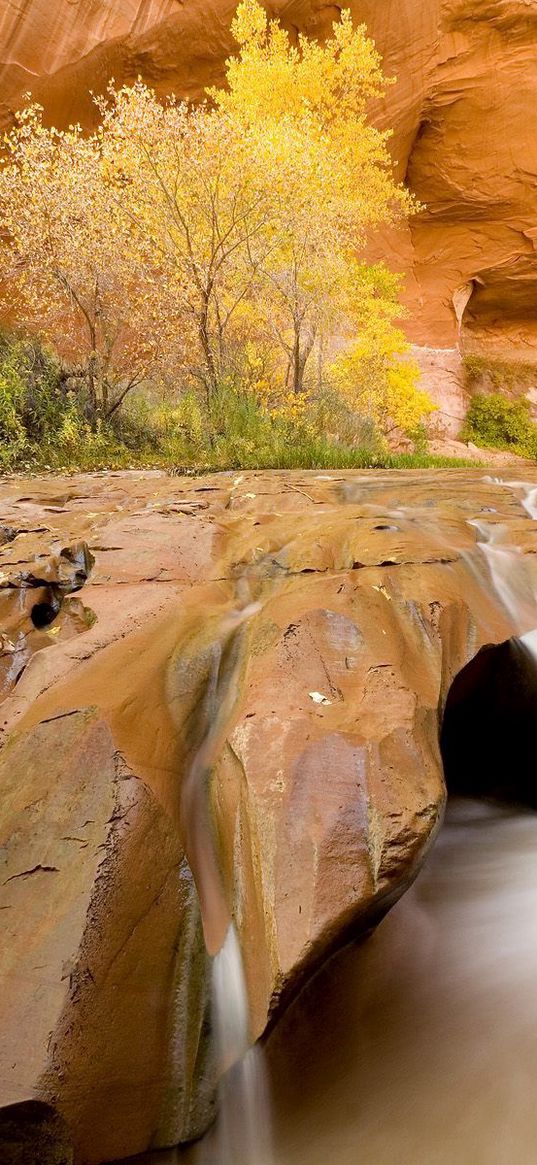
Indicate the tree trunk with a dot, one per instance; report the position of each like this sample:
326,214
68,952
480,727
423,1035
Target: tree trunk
211,382
320,363
298,370
105,398
92,386
119,401
301,353
98,388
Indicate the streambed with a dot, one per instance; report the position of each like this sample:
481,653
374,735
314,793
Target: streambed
348,604
419,1046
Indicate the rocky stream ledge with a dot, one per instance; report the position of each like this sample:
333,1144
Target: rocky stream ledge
317,620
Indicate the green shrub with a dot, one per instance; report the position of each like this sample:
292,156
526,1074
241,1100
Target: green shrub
13,436
43,421
481,373
500,422
45,424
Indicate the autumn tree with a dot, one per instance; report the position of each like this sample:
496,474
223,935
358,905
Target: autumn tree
69,268
260,200
331,169
223,243
377,378
200,209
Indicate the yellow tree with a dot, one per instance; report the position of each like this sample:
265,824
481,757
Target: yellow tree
217,242
306,108
201,210
263,195
371,367
377,379
68,263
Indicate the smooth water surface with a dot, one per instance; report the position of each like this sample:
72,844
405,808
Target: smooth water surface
420,1046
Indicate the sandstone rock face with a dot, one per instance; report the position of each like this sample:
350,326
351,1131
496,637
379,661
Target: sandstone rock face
101,950
442,376
315,623
461,110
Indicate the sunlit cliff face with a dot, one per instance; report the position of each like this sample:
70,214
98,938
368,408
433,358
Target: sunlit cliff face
461,111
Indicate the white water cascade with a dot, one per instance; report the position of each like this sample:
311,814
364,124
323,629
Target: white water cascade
243,1129
242,1132
508,576
511,572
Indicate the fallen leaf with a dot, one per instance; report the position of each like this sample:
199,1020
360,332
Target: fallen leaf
318,698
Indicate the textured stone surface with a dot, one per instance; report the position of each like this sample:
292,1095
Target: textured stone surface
101,951
363,594
442,377
461,110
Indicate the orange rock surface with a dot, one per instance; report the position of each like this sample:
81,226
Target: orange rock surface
297,631
462,112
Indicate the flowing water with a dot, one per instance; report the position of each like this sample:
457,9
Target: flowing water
243,1131
510,572
419,1047
242,1134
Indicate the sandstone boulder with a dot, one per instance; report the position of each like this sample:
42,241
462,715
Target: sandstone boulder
102,965
308,627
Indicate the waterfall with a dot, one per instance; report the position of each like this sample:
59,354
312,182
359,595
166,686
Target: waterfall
507,582
529,493
510,571
243,1133
529,501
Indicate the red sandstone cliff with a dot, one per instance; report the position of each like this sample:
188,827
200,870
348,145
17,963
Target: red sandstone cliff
462,111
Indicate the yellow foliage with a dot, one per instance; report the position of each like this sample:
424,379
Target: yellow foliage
250,24
378,380
69,261
221,243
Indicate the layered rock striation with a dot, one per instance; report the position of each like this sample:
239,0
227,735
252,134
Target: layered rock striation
315,622
461,110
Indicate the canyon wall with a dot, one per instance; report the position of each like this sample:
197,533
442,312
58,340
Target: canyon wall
460,108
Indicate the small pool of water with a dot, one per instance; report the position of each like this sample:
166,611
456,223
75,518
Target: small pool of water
419,1046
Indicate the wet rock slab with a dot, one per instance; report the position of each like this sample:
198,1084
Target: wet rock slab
366,593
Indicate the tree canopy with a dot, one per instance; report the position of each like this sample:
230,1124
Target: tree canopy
219,243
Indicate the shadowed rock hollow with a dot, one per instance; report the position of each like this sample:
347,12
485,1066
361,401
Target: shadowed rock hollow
316,622
488,729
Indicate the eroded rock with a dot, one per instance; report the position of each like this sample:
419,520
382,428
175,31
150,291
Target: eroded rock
230,602
102,966
32,598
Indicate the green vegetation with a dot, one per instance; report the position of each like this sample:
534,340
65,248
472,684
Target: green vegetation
193,281
499,415
199,273
483,374
46,423
43,421
496,421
